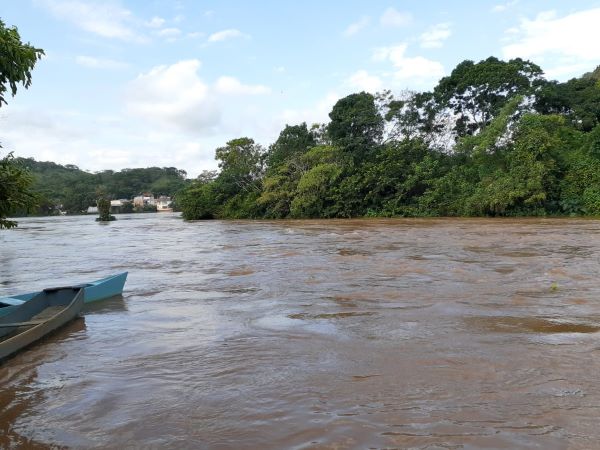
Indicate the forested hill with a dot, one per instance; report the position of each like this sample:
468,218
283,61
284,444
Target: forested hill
493,138
76,189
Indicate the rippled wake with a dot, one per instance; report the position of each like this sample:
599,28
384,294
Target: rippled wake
441,333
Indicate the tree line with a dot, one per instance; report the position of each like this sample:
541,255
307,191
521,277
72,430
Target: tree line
70,189
493,138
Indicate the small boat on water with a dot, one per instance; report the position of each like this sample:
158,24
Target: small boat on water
38,317
92,291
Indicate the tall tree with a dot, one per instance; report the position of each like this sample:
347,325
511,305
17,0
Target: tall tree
241,164
16,63
476,92
292,141
356,124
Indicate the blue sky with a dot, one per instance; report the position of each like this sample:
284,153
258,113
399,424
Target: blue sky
144,83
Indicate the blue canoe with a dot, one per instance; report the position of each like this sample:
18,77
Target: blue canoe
93,291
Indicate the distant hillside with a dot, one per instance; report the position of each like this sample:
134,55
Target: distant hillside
73,189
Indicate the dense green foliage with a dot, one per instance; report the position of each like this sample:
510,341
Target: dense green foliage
70,189
16,63
15,193
237,189
493,138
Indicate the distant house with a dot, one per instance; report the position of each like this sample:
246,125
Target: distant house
146,199
92,210
164,204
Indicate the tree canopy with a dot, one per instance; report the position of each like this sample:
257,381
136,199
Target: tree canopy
356,124
475,92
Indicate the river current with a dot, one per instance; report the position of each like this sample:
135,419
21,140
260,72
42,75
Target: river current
338,334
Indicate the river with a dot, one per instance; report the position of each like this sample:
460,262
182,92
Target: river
339,334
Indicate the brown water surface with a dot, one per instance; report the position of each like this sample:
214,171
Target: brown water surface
440,333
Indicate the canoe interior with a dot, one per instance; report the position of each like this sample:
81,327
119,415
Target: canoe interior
38,317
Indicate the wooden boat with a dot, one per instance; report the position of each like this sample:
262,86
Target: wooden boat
93,291
37,317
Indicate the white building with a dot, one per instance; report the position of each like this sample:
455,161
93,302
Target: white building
144,200
164,204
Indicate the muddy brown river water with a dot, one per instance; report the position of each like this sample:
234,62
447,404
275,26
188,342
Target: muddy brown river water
437,334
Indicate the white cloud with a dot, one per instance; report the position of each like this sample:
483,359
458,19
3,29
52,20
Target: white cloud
170,117
415,71
317,113
223,35
170,34
232,86
361,80
501,7
176,98
173,97
155,22
95,142
104,19
100,63
435,35
49,135
394,18
567,70
558,42
355,27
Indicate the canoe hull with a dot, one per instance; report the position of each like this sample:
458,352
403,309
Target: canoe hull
104,288
93,291
71,301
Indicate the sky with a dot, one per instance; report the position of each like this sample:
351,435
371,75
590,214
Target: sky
132,83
